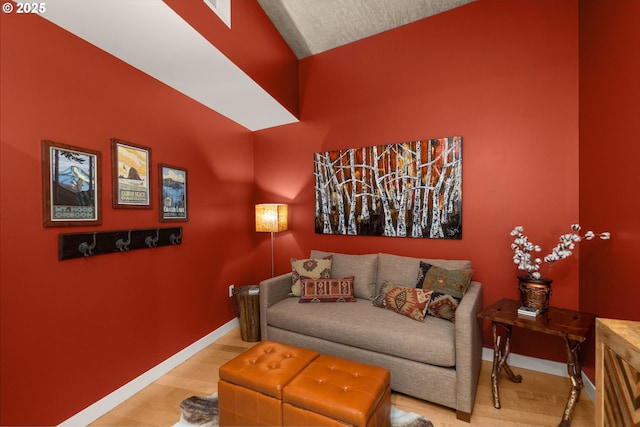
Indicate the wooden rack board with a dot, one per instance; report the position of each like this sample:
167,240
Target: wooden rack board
82,245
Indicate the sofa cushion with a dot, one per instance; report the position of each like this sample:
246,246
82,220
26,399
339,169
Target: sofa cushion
364,326
403,270
327,290
363,268
313,268
449,286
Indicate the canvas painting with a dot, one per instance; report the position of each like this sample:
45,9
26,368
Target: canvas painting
412,189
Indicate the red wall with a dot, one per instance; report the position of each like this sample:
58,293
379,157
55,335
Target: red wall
73,331
252,43
504,75
609,149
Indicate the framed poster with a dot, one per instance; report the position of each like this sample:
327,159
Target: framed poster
131,175
71,185
173,193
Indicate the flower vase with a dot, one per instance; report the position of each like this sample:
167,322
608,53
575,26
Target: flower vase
534,293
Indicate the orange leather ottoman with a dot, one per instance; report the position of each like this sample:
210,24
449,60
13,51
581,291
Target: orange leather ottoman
333,392
251,384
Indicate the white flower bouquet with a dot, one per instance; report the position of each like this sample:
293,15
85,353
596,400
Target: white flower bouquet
524,250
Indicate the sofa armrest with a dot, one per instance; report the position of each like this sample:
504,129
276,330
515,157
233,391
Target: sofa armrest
271,291
468,349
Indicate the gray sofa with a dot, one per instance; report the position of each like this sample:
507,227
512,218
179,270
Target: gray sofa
436,360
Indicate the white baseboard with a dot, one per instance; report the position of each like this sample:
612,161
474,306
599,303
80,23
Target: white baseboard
542,365
109,402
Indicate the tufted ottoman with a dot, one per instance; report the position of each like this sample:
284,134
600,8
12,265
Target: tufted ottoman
251,384
332,391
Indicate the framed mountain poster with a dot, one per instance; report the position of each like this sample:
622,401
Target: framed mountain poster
71,185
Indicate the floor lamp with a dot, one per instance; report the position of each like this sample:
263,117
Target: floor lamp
271,217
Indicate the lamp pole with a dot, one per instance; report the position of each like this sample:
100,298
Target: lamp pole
273,237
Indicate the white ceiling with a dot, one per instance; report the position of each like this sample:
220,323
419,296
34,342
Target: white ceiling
151,37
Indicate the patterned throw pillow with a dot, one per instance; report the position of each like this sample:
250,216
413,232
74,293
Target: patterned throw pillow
378,300
363,268
327,290
449,286
312,268
410,302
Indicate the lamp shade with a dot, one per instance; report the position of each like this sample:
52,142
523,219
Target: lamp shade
271,217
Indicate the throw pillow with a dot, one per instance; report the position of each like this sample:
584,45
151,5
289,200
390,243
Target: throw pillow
449,286
363,268
327,290
312,268
404,269
378,301
410,302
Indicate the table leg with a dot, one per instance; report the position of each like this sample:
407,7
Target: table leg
575,375
495,372
500,362
503,363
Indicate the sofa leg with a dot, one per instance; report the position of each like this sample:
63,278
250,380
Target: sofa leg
463,416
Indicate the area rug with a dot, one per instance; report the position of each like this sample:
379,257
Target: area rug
202,411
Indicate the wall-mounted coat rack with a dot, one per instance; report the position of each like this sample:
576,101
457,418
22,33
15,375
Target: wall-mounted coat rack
81,245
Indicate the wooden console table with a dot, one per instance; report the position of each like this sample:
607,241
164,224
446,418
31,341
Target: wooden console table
571,325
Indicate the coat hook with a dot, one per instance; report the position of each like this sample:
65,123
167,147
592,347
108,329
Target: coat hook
175,240
87,249
123,245
152,242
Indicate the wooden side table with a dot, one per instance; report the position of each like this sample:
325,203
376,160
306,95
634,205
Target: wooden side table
571,325
247,301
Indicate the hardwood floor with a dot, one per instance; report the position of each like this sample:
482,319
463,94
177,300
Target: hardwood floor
538,401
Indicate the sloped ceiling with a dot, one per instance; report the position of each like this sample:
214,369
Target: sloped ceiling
313,26
151,37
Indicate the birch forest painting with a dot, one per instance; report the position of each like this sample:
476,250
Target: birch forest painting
413,189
